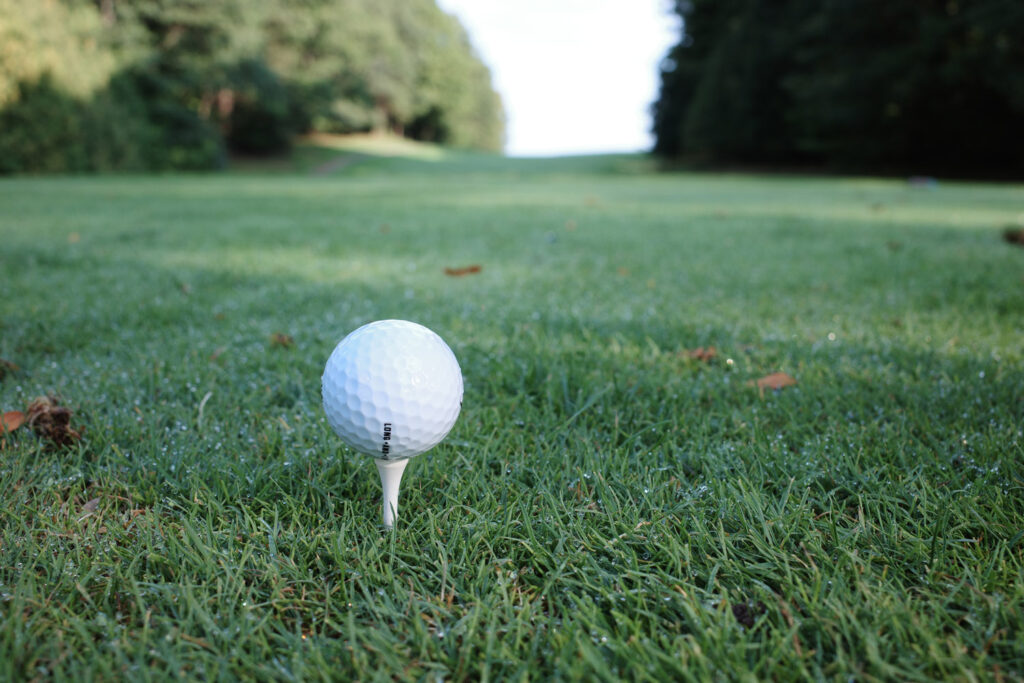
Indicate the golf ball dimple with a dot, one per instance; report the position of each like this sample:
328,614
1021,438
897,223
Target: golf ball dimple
392,389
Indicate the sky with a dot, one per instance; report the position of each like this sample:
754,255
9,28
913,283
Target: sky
576,76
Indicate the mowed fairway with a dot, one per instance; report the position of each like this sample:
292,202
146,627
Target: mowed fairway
606,507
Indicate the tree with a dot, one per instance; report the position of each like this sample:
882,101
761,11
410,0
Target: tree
62,108
195,77
925,86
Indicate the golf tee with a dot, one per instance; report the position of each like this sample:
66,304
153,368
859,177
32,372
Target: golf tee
390,479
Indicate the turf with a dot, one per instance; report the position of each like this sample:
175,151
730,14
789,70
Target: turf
607,507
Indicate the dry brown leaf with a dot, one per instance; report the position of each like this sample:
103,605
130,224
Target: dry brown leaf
705,355
11,420
91,505
775,381
282,340
467,270
51,421
622,271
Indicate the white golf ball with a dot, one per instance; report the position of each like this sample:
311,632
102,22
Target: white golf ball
392,389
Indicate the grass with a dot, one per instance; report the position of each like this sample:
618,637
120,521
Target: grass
606,507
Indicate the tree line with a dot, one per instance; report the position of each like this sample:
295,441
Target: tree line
93,85
874,85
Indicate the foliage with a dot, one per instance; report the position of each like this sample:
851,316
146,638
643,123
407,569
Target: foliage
608,506
933,86
242,74
46,130
260,120
62,107
52,38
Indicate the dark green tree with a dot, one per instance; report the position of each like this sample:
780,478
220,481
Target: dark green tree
889,85
906,85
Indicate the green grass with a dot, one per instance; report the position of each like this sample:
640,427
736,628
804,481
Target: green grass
605,508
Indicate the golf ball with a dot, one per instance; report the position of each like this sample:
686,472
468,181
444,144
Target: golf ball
392,389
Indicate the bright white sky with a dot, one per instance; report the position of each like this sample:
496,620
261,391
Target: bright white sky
576,76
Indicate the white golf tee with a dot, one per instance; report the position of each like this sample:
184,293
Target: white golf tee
390,479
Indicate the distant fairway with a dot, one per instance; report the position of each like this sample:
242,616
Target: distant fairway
606,507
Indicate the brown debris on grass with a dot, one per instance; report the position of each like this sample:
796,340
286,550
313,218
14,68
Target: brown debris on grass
467,270
282,340
746,613
774,381
705,355
10,421
51,421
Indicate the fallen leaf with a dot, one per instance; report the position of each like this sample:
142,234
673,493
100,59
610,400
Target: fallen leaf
467,270
51,421
775,381
702,354
11,421
284,341
74,238
622,271
91,505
